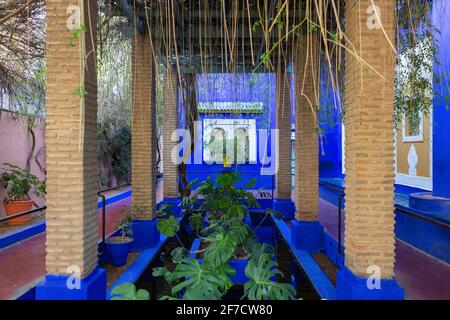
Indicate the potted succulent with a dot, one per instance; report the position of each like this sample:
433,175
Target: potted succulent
118,247
18,183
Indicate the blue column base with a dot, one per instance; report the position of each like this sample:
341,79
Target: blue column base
174,204
145,234
306,235
54,287
352,287
286,207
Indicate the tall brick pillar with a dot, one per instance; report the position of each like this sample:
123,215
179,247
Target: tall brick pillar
143,143
71,102
170,125
306,231
282,201
369,156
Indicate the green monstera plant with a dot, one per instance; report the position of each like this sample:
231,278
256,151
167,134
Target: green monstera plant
261,271
227,236
127,291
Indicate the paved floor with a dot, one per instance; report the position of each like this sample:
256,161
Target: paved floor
422,276
23,264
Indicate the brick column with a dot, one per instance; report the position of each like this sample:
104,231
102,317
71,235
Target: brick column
306,231
306,133
71,102
282,201
143,142
369,154
170,125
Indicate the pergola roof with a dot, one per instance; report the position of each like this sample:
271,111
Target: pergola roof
213,36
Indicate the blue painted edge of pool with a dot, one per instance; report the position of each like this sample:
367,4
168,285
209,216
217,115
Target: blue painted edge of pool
39,227
424,235
318,278
133,273
22,234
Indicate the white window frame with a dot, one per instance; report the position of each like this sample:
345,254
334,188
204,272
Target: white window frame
230,126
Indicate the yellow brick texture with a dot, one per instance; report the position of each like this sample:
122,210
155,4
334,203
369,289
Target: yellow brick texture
71,219
283,178
143,142
170,124
369,140
306,124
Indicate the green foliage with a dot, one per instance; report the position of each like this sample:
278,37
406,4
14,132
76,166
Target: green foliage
80,92
127,291
114,100
220,249
239,231
178,254
260,271
76,34
190,207
201,281
168,226
227,236
114,148
18,183
417,53
163,210
124,224
167,223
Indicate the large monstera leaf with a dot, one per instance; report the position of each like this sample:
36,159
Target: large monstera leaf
200,281
260,286
127,291
168,226
220,249
239,231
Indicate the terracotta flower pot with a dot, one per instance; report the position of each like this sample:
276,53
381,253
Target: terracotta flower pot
15,207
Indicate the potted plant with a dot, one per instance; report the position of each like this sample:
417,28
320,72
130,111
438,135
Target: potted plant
18,183
118,247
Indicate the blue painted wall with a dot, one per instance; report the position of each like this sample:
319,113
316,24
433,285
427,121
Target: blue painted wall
441,103
330,151
212,87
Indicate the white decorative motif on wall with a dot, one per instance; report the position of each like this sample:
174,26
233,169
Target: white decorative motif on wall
413,159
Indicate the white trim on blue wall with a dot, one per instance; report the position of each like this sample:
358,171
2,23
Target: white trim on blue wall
414,181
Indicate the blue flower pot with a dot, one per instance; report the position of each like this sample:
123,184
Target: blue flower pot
118,251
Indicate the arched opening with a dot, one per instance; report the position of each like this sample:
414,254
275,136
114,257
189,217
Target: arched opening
217,145
241,146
